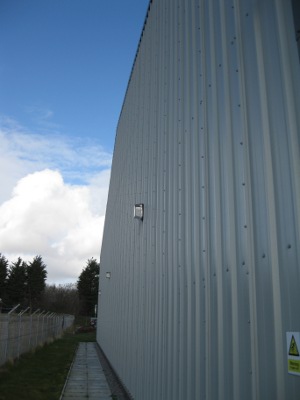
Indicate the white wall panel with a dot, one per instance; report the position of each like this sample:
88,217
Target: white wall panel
204,289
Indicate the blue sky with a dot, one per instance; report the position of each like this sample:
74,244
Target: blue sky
64,69
65,64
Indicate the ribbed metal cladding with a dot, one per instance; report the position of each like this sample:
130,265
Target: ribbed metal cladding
203,290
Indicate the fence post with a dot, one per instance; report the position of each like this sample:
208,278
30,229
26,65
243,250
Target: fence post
7,337
48,332
30,332
43,328
37,330
53,325
20,323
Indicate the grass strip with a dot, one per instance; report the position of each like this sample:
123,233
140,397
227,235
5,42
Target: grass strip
41,375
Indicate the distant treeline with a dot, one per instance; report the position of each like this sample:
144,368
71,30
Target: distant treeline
25,284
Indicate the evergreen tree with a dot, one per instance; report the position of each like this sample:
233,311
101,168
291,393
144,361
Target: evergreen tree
36,281
3,275
16,283
87,286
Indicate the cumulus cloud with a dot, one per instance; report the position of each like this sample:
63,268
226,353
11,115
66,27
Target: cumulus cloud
53,197
49,217
23,152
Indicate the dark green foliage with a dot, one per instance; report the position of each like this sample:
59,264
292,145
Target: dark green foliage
22,283
87,285
3,275
36,281
16,283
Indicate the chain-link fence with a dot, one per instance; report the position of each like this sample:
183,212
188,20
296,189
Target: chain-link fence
20,333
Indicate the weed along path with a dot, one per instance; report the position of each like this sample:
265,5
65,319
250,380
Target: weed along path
86,379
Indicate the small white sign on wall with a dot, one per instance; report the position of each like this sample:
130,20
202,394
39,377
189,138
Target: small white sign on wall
293,355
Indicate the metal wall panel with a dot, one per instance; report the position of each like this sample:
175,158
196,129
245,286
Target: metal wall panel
204,289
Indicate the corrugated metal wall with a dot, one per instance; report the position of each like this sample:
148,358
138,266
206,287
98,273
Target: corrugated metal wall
204,289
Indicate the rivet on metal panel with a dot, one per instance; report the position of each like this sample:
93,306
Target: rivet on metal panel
243,263
264,256
220,65
289,246
243,183
245,226
241,143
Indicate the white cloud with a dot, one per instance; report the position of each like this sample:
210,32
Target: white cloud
49,217
23,152
53,196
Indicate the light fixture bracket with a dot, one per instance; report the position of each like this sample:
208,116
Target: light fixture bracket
138,211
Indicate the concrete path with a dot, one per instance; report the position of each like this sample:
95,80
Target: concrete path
86,379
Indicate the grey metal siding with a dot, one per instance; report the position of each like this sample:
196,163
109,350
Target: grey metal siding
204,289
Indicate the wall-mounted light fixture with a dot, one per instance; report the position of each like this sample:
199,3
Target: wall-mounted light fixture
108,275
138,211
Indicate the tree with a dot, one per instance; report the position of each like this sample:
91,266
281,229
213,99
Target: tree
16,283
87,286
61,299
36,281
3,275
26,282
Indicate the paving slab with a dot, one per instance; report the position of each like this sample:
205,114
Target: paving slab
86,379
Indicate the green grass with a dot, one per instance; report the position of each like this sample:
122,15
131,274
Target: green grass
41,375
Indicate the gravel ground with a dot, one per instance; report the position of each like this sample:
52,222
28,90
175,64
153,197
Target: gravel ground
117,390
